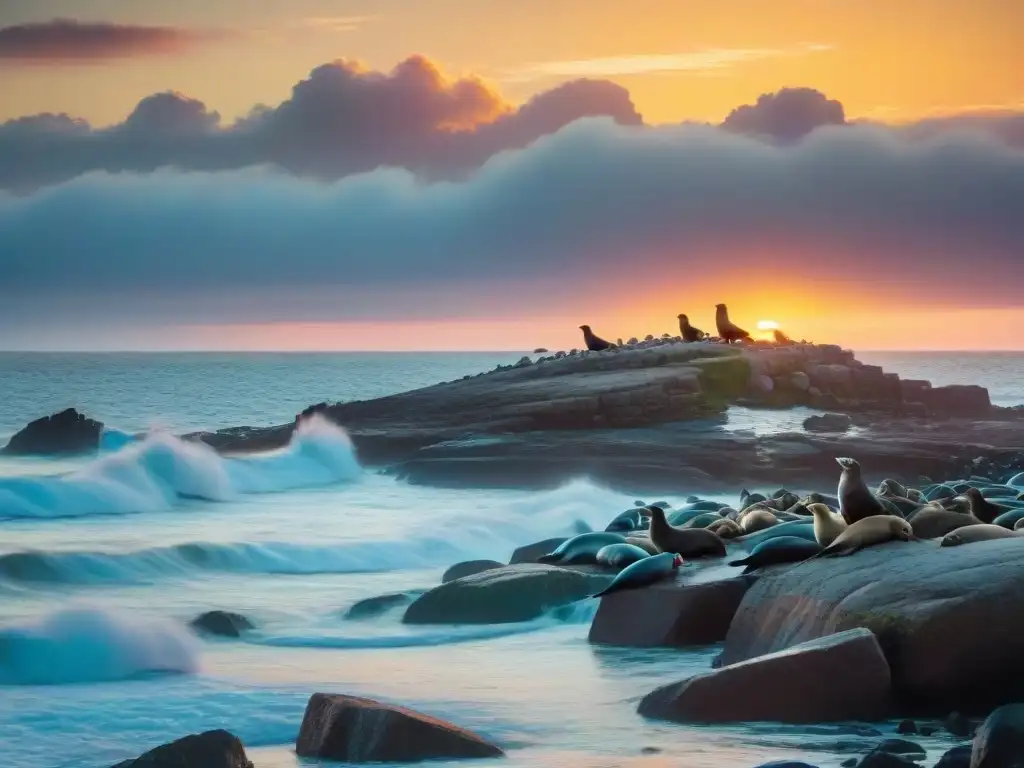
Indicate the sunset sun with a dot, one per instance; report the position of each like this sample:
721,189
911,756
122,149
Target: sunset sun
767,325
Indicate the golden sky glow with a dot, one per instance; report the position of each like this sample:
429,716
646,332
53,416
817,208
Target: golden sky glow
680,60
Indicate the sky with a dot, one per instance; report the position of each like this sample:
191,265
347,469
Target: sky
457,174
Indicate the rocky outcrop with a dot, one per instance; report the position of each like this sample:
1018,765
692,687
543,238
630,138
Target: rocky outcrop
67,432
355,730
212,749
999,743
371,607
950,620
838,677
828,422
469,568
674,613
504,595
530,553
222,623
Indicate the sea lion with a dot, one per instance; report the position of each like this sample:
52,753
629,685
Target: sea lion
932,522
728,331
725,528
982,508
781,549
688,332
786,500
1019,525
866,532
620,555
689,542
644,543
800,509
979,532
757,520
581,549
630,520
747,498
804,529
703,520
643,572
781,338
594,343
890,487
1017,481
855,500
827,524
681,517
936,492
814,497
915,495
1009,518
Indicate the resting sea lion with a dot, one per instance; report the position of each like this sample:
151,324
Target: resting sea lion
594,343
620,555
915,495
703,520
781,338
787,500
630,520
931,523
1019,525
822,498
855,500
804,529
687,331
936,492
982,508
581,549
827,524
782,549
643,572
757,520
867,532
726,529
980,532
689,542
644,543
890,487
747,498
728,331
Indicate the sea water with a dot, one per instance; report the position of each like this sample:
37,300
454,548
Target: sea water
104,560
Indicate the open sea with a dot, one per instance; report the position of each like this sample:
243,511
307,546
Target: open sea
104,560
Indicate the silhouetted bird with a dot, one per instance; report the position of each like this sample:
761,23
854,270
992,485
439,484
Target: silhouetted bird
781,338
728,331
687,331
594,343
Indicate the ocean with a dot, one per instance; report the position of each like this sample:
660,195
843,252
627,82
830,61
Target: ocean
104,560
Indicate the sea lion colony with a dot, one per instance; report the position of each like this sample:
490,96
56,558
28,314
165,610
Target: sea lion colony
785,528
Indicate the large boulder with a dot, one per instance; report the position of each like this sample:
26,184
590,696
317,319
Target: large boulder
468,568
503,595
62,433
530,553
372,607
958,400
669,613
840,677
999,743
950,620
356,730
212,749
828,422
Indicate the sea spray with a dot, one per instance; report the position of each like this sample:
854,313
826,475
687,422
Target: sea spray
79,645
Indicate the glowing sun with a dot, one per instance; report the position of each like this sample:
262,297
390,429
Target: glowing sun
767,325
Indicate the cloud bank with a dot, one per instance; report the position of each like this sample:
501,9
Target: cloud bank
596,208
69,41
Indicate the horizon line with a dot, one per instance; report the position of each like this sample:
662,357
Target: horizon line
186,350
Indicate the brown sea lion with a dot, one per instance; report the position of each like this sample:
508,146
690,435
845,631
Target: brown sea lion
855,500
890,487
728,331
827,524
726,529
982,508
781,338
980,532
934,522
644,543
757,520
691,543
868,531
594,343
688,332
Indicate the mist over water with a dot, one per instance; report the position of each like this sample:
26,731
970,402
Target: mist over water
105,560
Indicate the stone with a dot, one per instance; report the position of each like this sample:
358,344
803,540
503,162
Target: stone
800,380
950,620
669,613
763,384
357,730
957,757
828,422
902,747
999,742
958,725
885,760
839,677
212,749
371,607
786,764
529,553
540,351
67,432
509,594
468,568
907,727
222,623
958,400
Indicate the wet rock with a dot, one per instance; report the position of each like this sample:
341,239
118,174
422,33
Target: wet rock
902,747
222,623
512,593
828,422
66,432
885,760
375,606
957,757
669,613
999,742
958,725
907,726
529,553
212,749
958,642
786,764
468,568
839,677
958,400
357,730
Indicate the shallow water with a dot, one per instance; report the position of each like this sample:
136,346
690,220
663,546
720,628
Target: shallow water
103,561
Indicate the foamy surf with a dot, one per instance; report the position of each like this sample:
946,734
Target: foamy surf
157,473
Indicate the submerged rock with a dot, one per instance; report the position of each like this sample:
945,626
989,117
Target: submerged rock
375,606
503,595
840,677
62,433
222,623
212,749
957,757
357,730
999,742
469,568
828,422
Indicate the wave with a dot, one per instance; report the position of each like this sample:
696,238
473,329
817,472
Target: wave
158,472
84,645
